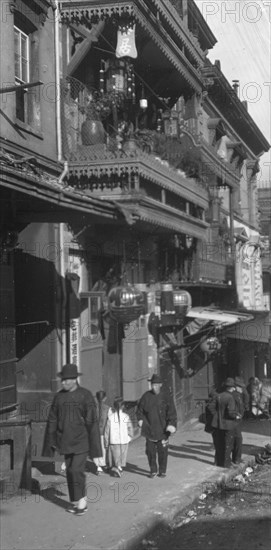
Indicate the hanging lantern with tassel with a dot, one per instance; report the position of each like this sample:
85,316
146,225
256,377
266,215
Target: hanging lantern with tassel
125,303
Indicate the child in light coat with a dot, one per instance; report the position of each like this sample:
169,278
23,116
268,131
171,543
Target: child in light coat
118,433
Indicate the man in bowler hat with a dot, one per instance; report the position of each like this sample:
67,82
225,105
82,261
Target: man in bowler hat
157,417
73,430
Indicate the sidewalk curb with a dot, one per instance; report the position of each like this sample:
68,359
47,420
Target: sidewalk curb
176,506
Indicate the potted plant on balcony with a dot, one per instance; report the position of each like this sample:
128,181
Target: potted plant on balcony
92,129
137,139
129,141
97,108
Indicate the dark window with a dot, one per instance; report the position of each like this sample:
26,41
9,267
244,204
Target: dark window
21,59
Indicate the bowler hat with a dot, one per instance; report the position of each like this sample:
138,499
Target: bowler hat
229,383
239,382
69,371
155,379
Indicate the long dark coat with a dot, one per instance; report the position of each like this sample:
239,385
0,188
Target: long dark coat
157,412
73,426
224,411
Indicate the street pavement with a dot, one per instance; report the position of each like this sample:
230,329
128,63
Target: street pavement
121,511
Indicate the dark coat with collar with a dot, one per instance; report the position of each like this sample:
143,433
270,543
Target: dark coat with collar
73,426
157,412
224,411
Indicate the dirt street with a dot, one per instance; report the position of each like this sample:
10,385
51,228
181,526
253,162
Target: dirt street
237,516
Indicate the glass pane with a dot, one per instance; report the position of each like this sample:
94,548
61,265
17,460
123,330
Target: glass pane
17,66
24,71
24,41
89,317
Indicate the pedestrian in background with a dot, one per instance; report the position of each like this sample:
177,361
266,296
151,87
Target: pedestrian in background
102,414
118,433
242,405
209,414
225,417
73,430
157,416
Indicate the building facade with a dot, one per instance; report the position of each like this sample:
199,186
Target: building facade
128,168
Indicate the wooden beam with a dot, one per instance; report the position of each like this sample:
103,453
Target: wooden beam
84,47
16,87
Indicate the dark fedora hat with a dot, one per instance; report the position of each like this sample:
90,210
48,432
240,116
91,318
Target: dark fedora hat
239,382
229,383
155,379
69,371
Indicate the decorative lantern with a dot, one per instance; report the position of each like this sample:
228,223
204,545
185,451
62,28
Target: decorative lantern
210,345
182,302
125,303
116,77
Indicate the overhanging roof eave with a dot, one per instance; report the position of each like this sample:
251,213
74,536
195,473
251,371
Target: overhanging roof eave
220,317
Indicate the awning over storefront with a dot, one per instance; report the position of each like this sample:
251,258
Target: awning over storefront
221,318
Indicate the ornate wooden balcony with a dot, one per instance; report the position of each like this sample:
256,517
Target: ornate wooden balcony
141,166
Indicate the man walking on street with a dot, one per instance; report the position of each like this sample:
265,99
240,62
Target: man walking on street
157,417
73,430
224,421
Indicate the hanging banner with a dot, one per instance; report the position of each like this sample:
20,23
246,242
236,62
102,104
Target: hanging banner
126,43
74,275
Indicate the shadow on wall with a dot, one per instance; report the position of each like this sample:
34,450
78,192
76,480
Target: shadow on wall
38,290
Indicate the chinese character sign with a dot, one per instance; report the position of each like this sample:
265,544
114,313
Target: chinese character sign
126,43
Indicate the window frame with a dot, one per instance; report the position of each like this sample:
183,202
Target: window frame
22,103
19,79
27,100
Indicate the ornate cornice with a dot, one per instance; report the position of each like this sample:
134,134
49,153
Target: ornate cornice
84,12
149,211
36,6
173,54
164,216
87,9
173,18
223,96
